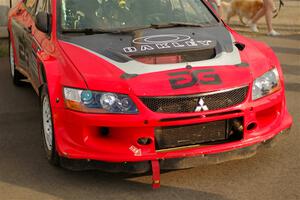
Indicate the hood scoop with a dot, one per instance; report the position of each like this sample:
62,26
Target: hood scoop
176,57
162,46
170,48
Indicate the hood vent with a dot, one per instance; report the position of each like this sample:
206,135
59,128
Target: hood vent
178,57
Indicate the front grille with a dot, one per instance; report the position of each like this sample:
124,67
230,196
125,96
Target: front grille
188,104
195,134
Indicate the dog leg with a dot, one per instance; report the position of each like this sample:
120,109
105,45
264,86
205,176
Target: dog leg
242,20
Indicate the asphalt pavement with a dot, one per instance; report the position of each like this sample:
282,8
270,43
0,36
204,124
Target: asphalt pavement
273,174
25,174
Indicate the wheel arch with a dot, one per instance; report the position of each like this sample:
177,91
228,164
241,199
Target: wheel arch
49,74
42,77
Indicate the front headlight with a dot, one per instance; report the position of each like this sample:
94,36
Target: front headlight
98,102
266,84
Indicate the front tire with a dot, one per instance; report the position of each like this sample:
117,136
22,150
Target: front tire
48,129
15,74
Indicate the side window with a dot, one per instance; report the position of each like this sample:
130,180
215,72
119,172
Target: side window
30,5
43,6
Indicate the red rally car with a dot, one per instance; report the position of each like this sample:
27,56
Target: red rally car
138,85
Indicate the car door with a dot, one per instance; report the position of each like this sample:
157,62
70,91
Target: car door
38,39
22,24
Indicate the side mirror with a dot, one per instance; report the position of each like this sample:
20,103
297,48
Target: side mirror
43,22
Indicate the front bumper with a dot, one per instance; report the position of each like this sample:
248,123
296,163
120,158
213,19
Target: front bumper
78,134
175,163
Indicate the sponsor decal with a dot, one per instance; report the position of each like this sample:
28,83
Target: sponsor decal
185,79
201,106
161,39
136,151
168,41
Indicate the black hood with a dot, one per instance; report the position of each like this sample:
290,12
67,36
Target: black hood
124,47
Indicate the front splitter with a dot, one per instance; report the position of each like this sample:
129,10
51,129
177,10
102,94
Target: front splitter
171,164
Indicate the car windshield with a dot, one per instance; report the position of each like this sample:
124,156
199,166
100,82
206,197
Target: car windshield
129,14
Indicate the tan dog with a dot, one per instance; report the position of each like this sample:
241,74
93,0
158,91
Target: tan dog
242,8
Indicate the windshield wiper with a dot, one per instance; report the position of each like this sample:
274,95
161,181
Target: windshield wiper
176,24
89,31
163,25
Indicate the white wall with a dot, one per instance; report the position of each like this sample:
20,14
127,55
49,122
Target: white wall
6,2
4,6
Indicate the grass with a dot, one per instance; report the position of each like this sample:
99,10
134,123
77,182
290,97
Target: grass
3,48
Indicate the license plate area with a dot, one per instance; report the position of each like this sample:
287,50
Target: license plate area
196,134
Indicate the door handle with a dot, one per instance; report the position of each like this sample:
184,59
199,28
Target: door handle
28,29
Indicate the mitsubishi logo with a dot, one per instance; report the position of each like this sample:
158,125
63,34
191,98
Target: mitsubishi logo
201,106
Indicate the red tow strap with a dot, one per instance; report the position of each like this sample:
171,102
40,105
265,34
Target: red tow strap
155,174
